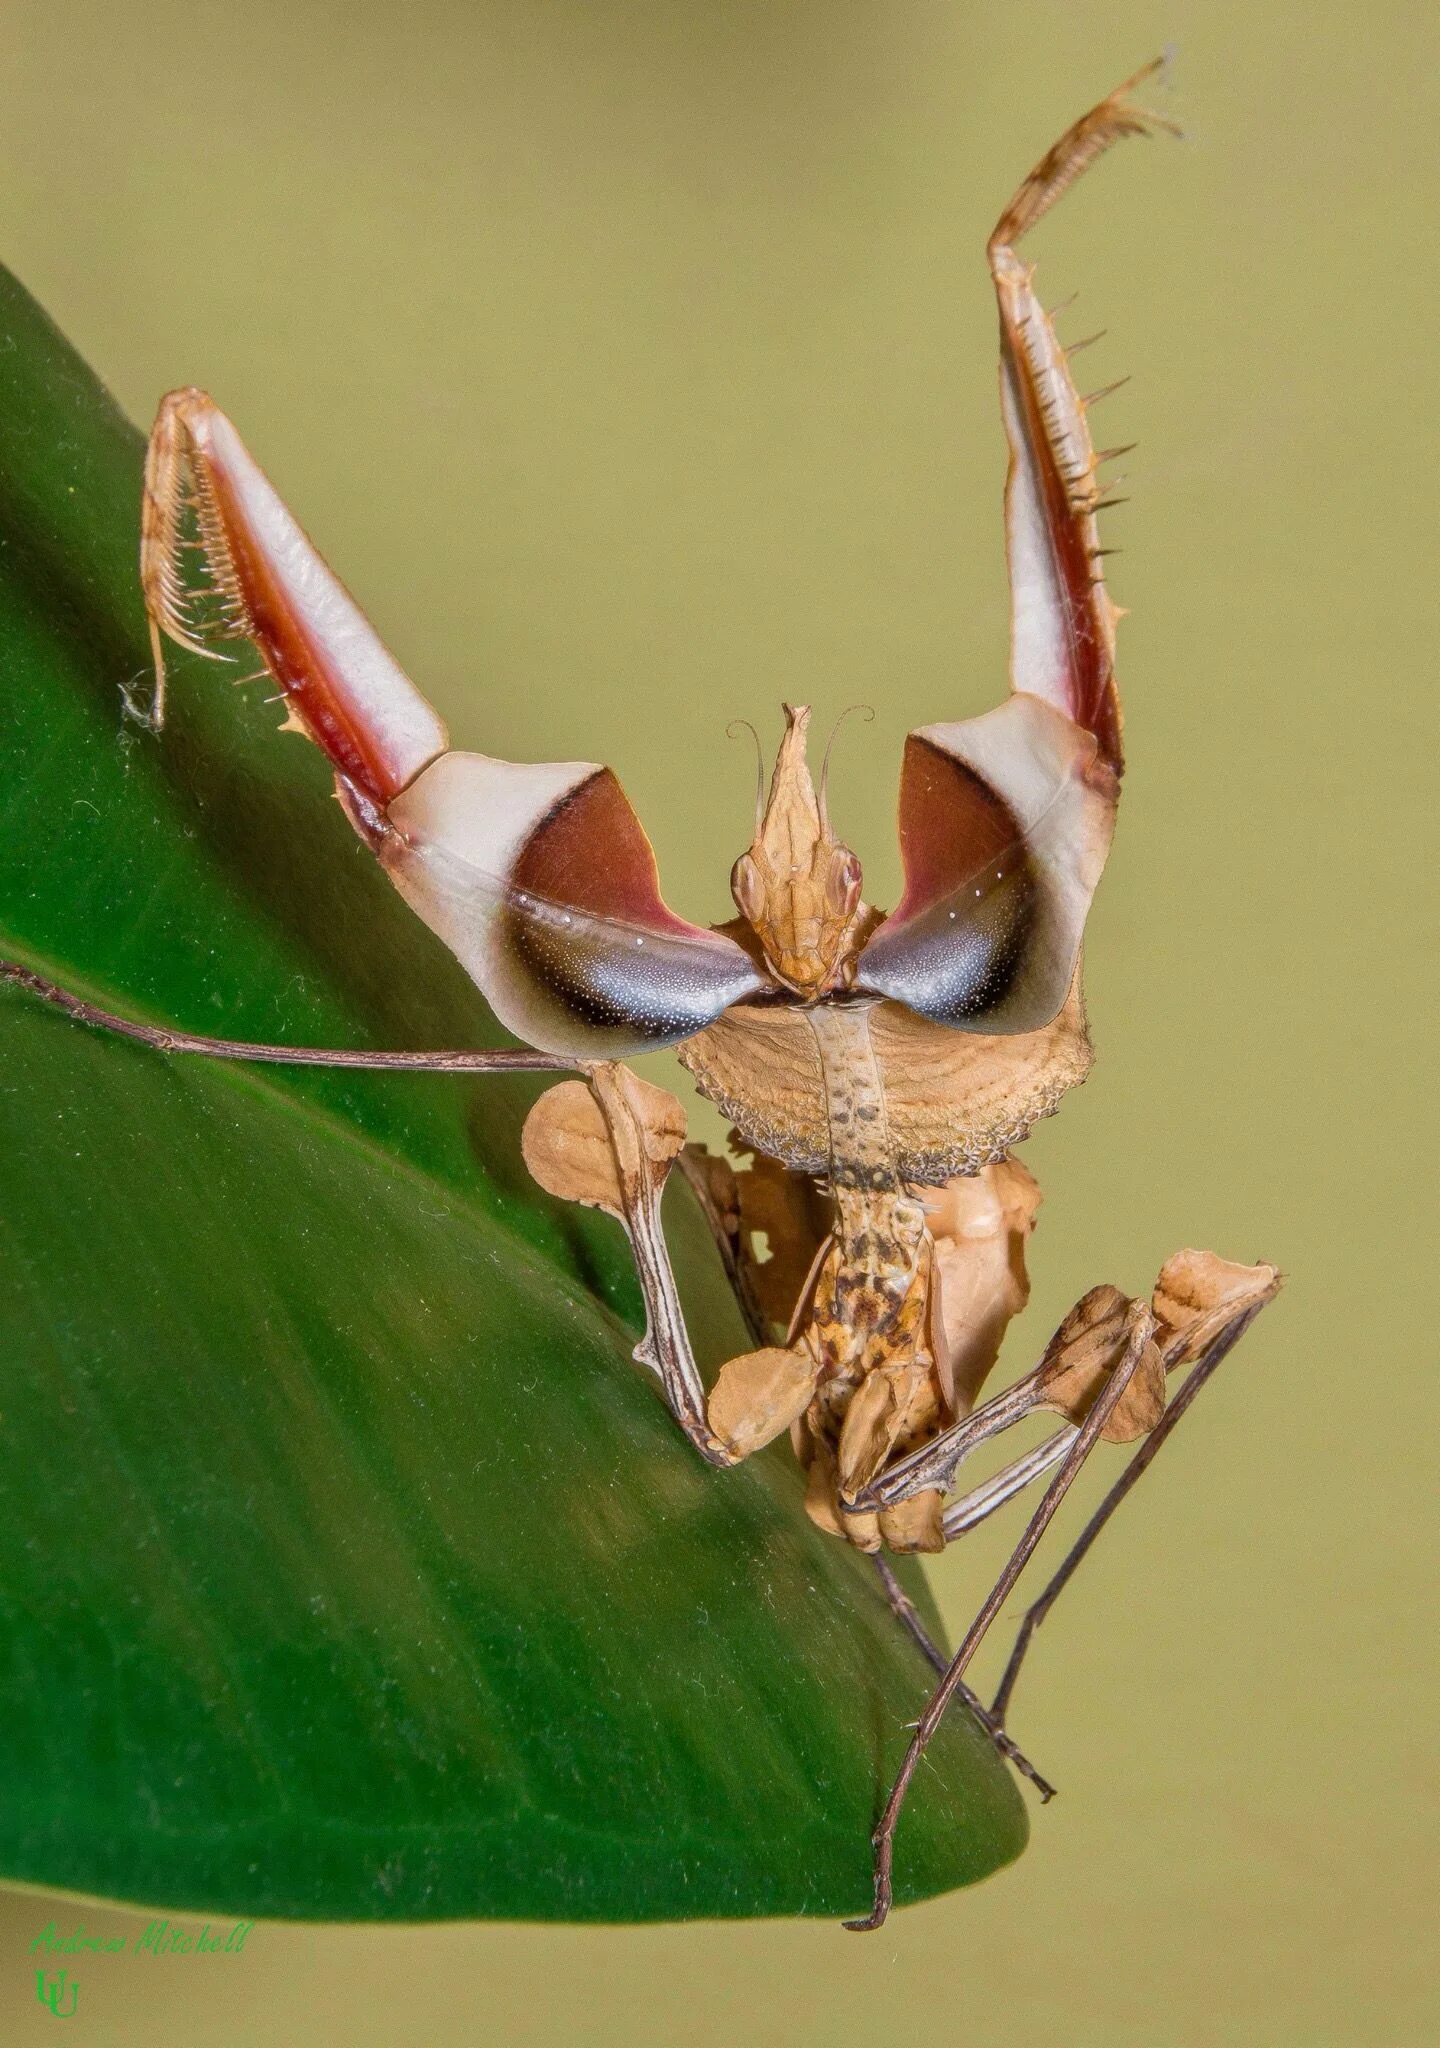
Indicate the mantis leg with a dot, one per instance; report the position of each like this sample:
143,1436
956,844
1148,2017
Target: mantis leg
1212,1356
982,1501
610,1143
935,1464
666,1346
164,1039
537,876
1062,619
714,1191
1139,1325
1203,1306
905,1612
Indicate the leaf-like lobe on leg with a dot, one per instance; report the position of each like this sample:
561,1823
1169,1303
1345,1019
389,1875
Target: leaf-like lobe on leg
1197,1291
981,1224
538,876
1005,824
916,1524
1085,1351
757,1396
568,1148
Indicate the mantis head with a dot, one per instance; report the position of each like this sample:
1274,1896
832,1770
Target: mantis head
797,887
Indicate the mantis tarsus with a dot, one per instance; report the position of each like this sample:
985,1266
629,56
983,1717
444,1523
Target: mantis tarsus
879,1068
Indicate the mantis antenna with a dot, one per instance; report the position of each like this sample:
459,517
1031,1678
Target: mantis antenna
869,713
732,732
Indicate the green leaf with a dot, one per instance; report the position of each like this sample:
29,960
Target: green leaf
352,1568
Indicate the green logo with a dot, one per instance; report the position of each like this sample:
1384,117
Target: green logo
57,1990
50,1990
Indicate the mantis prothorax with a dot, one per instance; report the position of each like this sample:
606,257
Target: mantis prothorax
879,1068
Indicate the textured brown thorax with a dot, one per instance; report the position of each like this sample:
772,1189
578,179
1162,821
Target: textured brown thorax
869,1304
843,1089
870,1310
861,1144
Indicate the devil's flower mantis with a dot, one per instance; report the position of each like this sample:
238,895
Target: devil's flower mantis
878,1068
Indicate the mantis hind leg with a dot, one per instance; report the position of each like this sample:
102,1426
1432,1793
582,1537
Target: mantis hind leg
1139,1325
1201,1308
1212,1356
906,1613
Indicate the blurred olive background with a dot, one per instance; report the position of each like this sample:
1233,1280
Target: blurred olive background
635,364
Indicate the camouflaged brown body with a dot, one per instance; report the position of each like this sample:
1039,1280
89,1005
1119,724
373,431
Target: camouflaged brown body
869,1305
867,1321
868,1330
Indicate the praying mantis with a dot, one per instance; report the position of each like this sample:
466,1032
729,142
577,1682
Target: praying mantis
877,1069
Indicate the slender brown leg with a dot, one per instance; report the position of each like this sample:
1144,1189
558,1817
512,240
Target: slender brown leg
936,1462
907,1614
904,1610
1213,1355
977,1506
163,1039
1140,1325
665,1348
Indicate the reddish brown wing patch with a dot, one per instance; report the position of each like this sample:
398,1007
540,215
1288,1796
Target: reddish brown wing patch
1005,821
541,881
591,851
953,825
956,940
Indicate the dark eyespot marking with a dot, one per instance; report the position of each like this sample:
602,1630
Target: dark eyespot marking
956,943
961,959
655,985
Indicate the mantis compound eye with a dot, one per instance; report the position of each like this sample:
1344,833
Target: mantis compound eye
748,888
842,884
